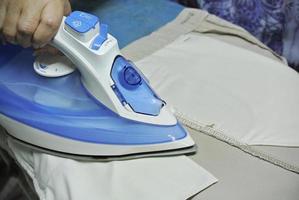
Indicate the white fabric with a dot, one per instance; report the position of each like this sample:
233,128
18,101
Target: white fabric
58,178
248,97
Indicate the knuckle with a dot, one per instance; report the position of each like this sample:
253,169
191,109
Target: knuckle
26,28
51,23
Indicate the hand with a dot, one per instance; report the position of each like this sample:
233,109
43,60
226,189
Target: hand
31,22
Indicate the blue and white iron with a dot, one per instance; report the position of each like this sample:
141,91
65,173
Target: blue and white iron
105,110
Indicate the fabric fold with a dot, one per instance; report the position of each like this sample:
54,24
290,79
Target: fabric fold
150,178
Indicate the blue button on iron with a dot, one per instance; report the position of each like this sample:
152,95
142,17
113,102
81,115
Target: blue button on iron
132,77
86,17
101,38
78,25
81,22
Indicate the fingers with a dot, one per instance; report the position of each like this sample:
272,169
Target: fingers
31,22
11,19
51,18
2,14
28,23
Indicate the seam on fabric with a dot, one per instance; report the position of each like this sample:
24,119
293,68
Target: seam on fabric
194,20
241,36
211,25
219,135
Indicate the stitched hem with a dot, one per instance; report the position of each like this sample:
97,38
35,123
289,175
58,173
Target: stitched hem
209,130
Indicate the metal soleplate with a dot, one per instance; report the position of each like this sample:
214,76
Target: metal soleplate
175,152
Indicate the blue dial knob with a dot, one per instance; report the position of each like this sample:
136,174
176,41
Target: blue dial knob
132,77
132,89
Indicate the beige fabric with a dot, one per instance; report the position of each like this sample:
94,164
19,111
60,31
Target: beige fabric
218,28
249,99
241,175
194,20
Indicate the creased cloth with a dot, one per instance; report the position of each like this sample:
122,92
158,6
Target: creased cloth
56,178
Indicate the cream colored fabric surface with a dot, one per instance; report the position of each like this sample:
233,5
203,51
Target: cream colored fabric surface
242,176
194,20
246,96
213,27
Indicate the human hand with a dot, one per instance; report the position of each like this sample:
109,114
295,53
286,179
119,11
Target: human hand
31,22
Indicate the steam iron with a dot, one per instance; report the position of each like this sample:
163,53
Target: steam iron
105,110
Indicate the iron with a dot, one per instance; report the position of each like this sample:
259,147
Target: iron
93,104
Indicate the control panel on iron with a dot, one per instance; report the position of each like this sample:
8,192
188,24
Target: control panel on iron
109,77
